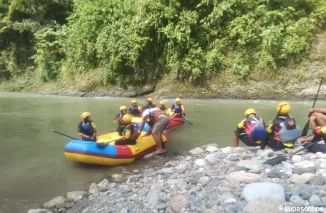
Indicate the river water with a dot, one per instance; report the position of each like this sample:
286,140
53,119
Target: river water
32,163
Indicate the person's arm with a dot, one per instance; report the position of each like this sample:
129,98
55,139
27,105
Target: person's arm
318,110
312,122
242,124
95,131
183,110
140,109
142,125
235,140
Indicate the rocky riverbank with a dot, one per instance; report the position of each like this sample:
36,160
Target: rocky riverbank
208,180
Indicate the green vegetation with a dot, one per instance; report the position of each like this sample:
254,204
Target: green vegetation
134,42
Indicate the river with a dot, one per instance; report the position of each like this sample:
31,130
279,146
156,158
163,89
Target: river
34,168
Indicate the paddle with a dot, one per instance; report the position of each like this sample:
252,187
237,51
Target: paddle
306,127
64,135
188,120
279,159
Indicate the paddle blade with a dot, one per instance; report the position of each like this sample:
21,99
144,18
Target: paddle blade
276,160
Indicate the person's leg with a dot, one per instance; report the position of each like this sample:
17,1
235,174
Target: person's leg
320,119
236,138
246,140
275,144
157,131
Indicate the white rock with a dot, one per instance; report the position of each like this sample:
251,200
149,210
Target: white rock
76,195
103,184
250,164
263,205
204,180
93,188
227,149
214,158
319,155
200,162
197,151
302,179
230,201
39,211
57,202
265,153
178,202
239,150
176,182
296,159
271,190
304,164
243,177
211,149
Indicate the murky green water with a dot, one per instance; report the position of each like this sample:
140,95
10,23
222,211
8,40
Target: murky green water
34,168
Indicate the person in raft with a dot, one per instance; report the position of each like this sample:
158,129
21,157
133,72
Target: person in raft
283,131
163,107
160,121
150,104
251,130
129,134
178,109
135,110
87,128
123,111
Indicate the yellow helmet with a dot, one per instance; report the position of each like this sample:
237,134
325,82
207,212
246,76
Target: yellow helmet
133,101
163,103
149,99
123,108
85,115
126,118
177,100
250,111
283,108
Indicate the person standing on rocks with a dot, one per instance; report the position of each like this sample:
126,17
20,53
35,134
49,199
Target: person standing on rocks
250,130
87,128
283,131
160,121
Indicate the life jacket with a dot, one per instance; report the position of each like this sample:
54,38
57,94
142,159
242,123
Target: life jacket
255,128
87,129
177,109
289,130
158,114
134,110
132,128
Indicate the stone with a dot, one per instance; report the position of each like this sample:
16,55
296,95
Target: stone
214,158
76,195
200,162
239,168
270,190
317,180
204,180
296,159
178,202
79,206
265,153
263,204
103,184
301,171
277,174
153,197
176,182
323,199
211,211
196,151
39,211
230,201
57,202
319,155
93,189
239,150
227,149
297,200
250,164
315,200
211,149
166,170
243,177
117,177
161,206
301,179
124,210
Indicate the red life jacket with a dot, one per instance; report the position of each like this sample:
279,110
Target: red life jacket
158,114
